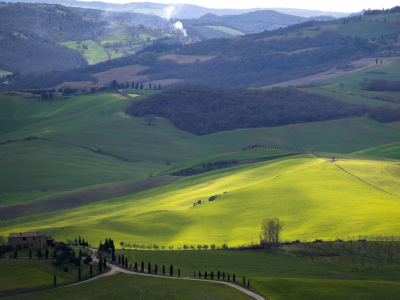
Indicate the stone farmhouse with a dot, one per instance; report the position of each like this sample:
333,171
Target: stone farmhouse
25,240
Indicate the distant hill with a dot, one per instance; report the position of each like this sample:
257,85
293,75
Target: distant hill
183,11
251,22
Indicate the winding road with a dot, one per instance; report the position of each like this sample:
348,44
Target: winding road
118,270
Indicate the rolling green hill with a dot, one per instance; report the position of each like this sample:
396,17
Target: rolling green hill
99,122
315,197
389,151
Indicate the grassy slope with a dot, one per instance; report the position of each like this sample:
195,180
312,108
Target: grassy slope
389,151
125,286
315,289
310,194
4,73
99,122
351,81
226,30
94,54
368,29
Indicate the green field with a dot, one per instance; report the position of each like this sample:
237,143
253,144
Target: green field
4,73
312,195
94,54
388,151
99,122
303,34
315,289
125,286
368,29
226,30
391,72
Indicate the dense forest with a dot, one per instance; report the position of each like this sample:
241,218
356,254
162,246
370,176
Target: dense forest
203,110
382,85
385,114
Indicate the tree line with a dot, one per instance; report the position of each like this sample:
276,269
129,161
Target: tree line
204,110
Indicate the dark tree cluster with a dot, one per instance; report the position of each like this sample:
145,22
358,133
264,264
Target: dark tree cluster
206,167
385,114
203,110
380,85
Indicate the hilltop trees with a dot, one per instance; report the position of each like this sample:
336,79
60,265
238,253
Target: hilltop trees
271,229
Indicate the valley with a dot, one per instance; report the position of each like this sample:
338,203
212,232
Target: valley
160,156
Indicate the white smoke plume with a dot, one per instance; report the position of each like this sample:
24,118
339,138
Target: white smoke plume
179,26
169,12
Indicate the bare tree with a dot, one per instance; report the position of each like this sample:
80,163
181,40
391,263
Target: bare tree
341,86
271,230
150,119
364,83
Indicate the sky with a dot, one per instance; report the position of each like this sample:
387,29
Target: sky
338,5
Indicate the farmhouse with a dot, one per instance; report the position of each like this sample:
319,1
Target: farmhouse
29,240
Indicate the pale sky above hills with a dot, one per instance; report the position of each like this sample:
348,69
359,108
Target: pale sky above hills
338,5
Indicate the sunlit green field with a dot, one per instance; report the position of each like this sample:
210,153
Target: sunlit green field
389,151
315,197
4,73
226,30
94,54
99,122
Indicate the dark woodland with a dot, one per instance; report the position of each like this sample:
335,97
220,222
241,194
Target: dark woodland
203,110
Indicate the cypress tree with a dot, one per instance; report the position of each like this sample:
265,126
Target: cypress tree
156,269
16,254
80,242
91,270
179,272
142,265
30,253
248,283
171,270
123,260
159,86
212,275
234,278
100,265
119,259
199,275
80,253
163,269
229,278
79,274
83,242
113,254
46,253
126,262
148,268
223,276
205,275
218,274
105,263
135,267
133,84
244,280
55,280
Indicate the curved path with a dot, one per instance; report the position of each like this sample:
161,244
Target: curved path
117,270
